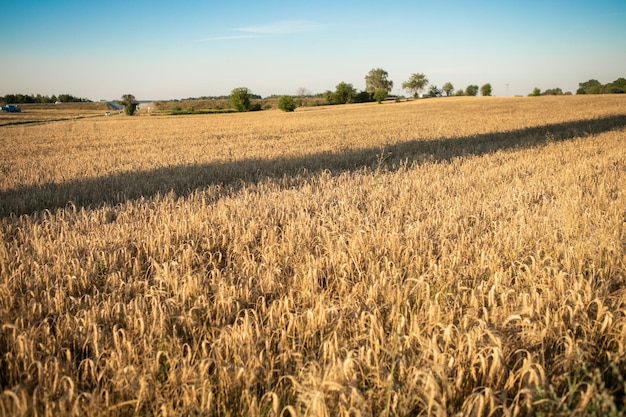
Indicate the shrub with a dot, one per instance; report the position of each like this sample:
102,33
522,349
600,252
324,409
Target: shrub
362,97
380,94
240,99
286,103
344,93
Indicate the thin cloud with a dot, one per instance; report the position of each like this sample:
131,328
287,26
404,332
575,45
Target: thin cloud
277,28
282,28
226,38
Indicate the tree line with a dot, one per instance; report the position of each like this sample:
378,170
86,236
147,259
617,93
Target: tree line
588,87
33,99
596,87
378,87
549,92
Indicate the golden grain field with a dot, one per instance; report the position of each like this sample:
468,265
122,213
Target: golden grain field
458,256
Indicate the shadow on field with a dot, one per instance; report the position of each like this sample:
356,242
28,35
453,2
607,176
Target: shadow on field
183,180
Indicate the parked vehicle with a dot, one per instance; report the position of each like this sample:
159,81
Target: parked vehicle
10,108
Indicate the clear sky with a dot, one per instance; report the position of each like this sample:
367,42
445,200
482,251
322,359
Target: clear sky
176,49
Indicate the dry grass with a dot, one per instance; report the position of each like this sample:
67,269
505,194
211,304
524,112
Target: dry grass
425,258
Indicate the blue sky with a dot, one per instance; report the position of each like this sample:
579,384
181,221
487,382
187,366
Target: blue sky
165,49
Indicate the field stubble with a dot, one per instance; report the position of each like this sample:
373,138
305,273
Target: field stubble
425,258
42,113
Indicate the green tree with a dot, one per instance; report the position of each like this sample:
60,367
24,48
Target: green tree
553,92
240,99
589,87
485,90
344,93
376,79
380,95
10,98
329,96
415,84
616,87
286,103
434,91
129,103
448,88
460,92
471,90
620,83
536,92
363,97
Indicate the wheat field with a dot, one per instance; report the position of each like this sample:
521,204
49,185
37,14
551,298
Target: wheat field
458,256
